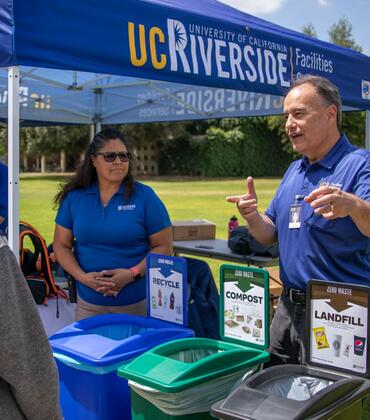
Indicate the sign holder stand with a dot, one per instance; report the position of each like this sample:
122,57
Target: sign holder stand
244,305
338,320
167,288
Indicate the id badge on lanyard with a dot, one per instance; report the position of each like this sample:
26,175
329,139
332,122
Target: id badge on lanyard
295,215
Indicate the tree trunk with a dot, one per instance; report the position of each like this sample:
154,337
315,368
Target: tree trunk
37,163
63,161
43,164
25,162
82,156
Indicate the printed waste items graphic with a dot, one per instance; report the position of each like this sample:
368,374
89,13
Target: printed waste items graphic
244,304
166,288
338,326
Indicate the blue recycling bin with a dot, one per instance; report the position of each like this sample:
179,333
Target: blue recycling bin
88,354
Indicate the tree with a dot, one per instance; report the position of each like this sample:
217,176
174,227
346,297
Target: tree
340,33
71,142
138,134
38,143
309,30
353,123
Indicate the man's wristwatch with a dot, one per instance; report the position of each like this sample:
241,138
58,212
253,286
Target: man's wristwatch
136,273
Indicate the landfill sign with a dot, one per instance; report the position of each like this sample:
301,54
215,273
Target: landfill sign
166,288
339,323
244,305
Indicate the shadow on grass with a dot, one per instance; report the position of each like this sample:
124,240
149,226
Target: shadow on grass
181,178
166,178
62,177
48,177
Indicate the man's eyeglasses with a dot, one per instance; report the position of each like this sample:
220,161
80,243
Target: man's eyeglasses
112,156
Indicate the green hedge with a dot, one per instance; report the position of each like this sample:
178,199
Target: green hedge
245,150
236,153
180,156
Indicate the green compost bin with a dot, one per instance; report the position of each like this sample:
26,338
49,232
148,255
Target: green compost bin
183,378
184,365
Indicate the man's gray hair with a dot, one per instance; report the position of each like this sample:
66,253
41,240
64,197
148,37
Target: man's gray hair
325,88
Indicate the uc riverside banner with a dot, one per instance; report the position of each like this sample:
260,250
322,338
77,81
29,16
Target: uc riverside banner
195,42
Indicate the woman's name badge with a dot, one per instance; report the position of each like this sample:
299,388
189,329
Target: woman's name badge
295,216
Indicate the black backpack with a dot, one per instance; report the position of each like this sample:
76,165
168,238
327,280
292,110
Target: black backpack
242,242
36,265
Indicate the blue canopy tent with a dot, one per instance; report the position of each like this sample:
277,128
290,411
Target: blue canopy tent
66,96
196,43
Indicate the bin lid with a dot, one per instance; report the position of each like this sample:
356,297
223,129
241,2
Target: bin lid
181,364
108,339
245,305
292,392
338,319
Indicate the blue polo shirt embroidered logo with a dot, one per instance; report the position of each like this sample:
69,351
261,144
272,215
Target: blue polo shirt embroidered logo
126,207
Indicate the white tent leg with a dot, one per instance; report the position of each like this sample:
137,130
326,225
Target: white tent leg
367,130
92,132
97,127
13,159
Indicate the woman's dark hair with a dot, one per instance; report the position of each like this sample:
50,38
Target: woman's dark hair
86,172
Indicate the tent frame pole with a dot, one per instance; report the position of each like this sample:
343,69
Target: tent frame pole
13,159
92,132
97,127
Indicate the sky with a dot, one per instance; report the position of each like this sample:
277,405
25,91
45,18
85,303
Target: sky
322,14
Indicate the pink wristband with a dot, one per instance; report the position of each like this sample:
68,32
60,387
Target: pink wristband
136,272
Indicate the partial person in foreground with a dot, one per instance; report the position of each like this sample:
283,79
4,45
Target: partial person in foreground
320,214
3,199
106,225
29,387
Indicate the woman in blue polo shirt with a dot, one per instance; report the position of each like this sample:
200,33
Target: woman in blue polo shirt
105,226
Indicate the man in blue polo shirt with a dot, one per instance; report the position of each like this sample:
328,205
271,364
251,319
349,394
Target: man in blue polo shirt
320,214
3,198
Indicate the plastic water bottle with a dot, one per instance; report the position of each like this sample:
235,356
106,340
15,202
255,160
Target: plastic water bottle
233,223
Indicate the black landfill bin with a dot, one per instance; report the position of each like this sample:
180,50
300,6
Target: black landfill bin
336,380
295,392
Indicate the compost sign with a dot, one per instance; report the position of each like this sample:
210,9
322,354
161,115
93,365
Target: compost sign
245,305
339,326
166,288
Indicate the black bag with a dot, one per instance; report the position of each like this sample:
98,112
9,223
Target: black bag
242,242
39,289
72,289
37,274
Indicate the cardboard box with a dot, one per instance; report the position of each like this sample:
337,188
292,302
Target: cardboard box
193,229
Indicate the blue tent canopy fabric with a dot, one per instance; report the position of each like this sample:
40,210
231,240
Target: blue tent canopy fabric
64,96
196,43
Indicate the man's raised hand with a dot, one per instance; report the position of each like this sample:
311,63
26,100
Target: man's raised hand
246,203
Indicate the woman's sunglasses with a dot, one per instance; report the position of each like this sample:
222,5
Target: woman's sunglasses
112,156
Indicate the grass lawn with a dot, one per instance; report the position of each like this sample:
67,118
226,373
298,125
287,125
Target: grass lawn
184,199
